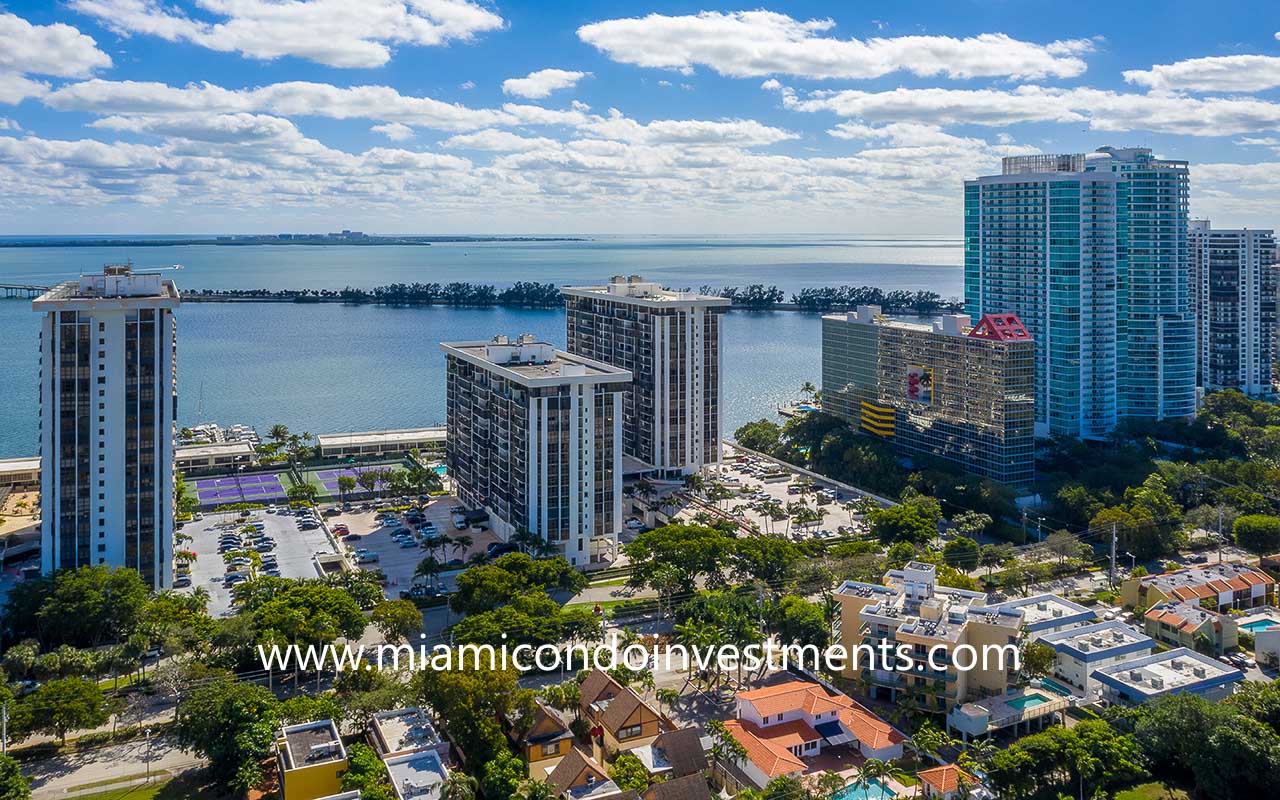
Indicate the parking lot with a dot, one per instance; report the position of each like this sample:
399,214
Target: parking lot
399,563
295,551
751,488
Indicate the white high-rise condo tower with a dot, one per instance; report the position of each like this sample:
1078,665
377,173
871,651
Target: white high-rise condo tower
533,440
670,342
1233,293
108,399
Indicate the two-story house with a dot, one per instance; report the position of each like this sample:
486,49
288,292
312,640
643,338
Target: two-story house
620,719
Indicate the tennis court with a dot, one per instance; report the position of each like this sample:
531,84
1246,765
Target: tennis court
327,479
255,488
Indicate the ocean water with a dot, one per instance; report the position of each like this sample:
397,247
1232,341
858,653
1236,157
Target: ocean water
327,368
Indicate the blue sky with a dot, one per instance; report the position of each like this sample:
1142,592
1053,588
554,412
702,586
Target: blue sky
140,116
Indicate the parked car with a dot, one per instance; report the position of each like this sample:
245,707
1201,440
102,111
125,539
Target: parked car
634,524
405,544
332,512
418,592
1198,558
352,537
500,549
309,525
182,581
367,557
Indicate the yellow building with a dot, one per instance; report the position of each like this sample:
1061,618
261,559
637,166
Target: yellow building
545,743
912,609
311,760
1192,627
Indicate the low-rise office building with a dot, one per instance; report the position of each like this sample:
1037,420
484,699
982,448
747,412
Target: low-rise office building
192,459
1169,672
1179,624
379,444
310,760
1081,651
912,609
1227,584
947,390
1043,614
20,472
533,439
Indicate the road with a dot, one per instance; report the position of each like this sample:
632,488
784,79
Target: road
54,777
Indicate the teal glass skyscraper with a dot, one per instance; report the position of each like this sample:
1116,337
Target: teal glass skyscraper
1090,251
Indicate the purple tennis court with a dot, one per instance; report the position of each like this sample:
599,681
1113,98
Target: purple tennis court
328,478
253,488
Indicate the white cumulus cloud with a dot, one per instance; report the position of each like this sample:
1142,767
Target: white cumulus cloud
56,49
1242,73
757,43
338,33
542,83
395,131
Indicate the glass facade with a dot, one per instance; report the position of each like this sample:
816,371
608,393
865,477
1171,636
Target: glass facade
1084,250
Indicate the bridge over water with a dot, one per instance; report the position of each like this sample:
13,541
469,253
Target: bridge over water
19,290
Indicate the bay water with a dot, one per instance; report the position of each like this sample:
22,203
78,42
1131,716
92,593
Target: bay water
328,367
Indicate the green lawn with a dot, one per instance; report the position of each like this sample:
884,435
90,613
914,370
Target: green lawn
1152,791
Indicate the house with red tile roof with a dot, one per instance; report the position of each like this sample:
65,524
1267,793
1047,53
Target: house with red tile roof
783,727
947,782
1226,586
1179,624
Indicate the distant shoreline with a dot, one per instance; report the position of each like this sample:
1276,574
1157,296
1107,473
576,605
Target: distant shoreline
301,241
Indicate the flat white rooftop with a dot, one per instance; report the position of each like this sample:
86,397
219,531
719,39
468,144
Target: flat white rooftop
9,465
1179,670
634,290
1099,641
214,449
532,363
1046,611
406,435
404,730
416,774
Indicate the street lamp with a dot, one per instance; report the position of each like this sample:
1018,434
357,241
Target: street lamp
147,734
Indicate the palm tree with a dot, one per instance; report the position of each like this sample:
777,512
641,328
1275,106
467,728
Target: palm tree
828,783
668,698
429,568
346,484
279,433
926,742
808,390
461,543
459,786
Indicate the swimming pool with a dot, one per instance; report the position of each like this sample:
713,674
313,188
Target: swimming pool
872,790
1027,701
1055,687
441,471
1260,625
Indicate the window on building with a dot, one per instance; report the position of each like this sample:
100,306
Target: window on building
629,732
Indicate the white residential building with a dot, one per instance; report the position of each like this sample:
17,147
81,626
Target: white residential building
533,437
671,344
108,398
1233,292
1091,647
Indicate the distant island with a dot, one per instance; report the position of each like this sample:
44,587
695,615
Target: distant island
344,237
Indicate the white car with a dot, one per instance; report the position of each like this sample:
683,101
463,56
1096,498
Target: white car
634,524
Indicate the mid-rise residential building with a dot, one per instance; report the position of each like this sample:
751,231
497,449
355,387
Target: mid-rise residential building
947,390
1081,651
1090,251
1180,624
670,342
533,439
1233,295
1227,585
1168,672
911,608
108,399
310,760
